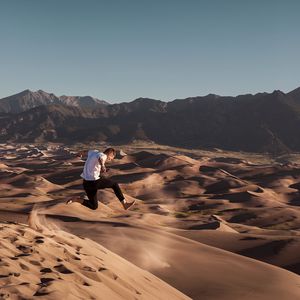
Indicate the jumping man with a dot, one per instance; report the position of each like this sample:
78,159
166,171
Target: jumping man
93,180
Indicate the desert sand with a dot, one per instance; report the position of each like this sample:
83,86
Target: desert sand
58,265
206,225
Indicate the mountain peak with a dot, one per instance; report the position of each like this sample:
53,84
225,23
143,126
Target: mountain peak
25,92
143,99
30,92
212,96
278,92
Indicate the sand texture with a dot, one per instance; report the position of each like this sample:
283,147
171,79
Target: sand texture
206,225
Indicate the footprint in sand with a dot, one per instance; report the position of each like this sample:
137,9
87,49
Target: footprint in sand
78,250
24,267
11,239
62,269
23,254
45,281
89,269
81,279
46,270
35,263
41,292
25,248
13,258
3,263
4,296
108,273
39,241
14,274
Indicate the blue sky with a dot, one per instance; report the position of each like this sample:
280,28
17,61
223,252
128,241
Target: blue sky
119,50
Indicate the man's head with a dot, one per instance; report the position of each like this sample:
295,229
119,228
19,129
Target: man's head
111,153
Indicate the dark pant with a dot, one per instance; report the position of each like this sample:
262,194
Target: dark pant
91,187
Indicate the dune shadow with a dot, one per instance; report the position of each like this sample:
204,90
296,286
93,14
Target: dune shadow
251,238
242,217
222,186
203,206
293,268
126,166
210,226
266,250
239,197
295,201
64,176
130,178
69,219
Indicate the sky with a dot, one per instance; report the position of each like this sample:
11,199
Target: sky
120,50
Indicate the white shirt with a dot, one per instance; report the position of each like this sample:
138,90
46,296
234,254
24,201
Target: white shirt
92,167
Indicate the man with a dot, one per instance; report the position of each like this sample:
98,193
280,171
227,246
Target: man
93,179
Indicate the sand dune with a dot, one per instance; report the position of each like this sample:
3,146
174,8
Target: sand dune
200,271
212,224
56,265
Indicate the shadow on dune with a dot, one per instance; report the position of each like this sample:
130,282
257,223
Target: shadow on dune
64,177
293,268
295,201
266,250
251,238
211,226
128,178
127,166
265,177
242,217
202,206
34,166
238,197
223,186
295,185
76,219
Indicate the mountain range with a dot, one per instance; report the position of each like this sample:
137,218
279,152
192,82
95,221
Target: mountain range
264,122
28,99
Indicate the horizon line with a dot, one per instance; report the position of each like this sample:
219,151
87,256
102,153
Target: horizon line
202,96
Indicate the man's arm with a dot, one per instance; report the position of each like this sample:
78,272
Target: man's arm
102,164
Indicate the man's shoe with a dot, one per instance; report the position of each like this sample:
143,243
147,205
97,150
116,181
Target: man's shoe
127,205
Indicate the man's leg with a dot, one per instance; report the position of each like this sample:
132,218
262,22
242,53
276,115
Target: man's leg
104,183
91,191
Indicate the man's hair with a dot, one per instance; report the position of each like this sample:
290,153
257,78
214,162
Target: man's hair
109,151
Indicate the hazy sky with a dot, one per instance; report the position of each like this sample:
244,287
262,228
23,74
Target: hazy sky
119,50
